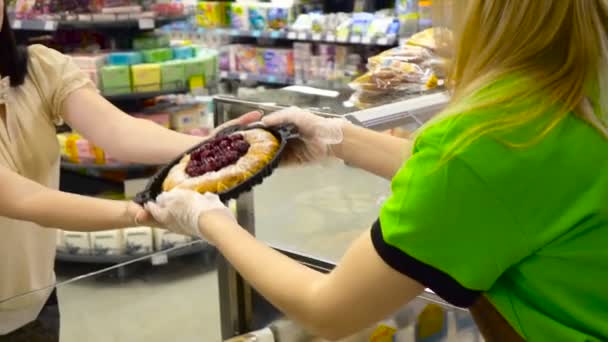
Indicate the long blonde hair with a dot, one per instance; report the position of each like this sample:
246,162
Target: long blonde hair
560,46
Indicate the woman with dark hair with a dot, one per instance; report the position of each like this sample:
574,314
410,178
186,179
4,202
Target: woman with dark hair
41,88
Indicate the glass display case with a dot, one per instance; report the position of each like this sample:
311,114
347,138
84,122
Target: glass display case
311,214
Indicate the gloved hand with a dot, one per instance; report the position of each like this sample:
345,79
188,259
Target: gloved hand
179,210
318,135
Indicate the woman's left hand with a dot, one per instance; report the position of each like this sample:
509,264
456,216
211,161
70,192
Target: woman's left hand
181,210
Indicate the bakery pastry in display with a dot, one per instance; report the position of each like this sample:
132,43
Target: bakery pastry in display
223,162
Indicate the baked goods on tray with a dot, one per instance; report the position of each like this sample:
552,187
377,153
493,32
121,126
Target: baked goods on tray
223,162
229,164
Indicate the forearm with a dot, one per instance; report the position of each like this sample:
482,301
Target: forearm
143,141
375,152
55,209
287,284
122,136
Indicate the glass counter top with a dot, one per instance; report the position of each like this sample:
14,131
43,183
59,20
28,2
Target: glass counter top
318,210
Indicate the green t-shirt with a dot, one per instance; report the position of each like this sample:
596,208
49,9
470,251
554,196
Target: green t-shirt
527,227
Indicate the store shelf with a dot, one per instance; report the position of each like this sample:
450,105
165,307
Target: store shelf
270,79
95,21
143,95
289,35
156,257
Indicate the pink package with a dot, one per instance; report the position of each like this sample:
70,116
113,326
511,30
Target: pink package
246,59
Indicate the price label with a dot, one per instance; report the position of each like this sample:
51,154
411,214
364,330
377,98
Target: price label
159,259
366,40
272,79
316,36
291,35
383,41
355,39
330,38
275,34
302,36
224,74
256,34
243,76
17,24
342,39
146,24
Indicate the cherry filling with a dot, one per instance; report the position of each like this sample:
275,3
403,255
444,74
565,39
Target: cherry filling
216,154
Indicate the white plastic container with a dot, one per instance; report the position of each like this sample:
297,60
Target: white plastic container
78,243
165,239
138,240
109,242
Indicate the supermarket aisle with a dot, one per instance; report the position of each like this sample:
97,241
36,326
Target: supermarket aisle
314,210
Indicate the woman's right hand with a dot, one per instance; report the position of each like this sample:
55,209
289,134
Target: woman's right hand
318,135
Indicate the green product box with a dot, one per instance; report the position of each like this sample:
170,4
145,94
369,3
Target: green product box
194,67
157,55
116,79
173,75
152,41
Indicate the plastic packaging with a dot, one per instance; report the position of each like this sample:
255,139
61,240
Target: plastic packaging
398,72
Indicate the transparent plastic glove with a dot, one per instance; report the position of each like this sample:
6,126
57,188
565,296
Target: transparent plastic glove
317,135
179,210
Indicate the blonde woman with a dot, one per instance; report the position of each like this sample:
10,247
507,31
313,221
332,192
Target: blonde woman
501,207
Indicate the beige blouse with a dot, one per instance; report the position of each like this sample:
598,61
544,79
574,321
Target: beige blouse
28,146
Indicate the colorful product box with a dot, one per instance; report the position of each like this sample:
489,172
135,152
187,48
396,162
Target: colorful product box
146,42
116,79
246,59
194,67
157,55
276,62
124,58
212,14
146,77
183,52
239,16
173,75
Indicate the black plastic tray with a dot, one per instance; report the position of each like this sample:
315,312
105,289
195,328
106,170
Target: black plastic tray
282,133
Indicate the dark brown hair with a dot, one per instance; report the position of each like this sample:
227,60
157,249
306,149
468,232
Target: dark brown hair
13,57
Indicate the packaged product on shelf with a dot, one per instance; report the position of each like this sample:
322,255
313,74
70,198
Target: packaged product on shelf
185,118
173,75
258,13
239,16
146,77
109,242
183,52
89,62
124,58
278,62
165,239
79,150
138,240
115,79
400,71
212,14
360,23
77,243
246,58
194,67
151,41
302,54
157,55
279,17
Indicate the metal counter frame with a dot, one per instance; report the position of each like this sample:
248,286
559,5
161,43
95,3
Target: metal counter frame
237,309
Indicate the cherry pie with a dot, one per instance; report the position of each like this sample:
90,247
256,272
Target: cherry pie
223,162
